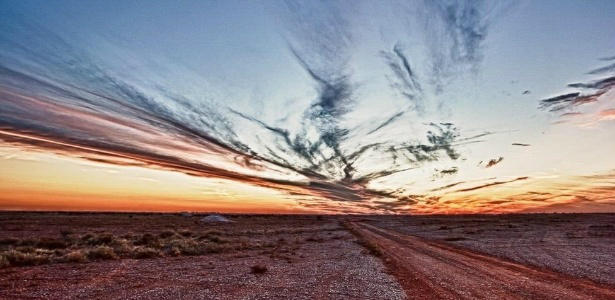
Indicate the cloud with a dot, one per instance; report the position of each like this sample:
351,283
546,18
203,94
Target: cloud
406,81
491,184
387,122
493,162
601,70
455,34
602,116
590,92
59,97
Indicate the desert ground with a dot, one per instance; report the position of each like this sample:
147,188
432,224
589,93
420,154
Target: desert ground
175,256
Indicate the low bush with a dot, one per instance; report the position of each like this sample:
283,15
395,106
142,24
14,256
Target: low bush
186,233
8,241
75,248
313,238
455,238
259,269
145,252
101,252
50,243
76,256
148,240
167,233
4,262
17,258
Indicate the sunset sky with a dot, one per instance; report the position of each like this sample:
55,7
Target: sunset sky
308,106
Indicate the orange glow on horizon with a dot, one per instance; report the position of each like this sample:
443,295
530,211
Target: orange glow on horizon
34,180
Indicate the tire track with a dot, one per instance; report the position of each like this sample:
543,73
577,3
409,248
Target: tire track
435,270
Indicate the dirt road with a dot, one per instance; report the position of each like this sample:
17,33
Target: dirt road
434,270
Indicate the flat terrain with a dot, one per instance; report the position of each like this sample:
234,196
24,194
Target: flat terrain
305,258
170,256
435,270
581,245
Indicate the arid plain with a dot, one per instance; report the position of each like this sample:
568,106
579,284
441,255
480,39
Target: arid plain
175,256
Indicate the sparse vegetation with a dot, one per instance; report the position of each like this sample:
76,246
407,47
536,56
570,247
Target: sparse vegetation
371,247
75,248
17,258
455,238
259,269
101,252
314,238
167,233
120,237
4,262
146,252
76,256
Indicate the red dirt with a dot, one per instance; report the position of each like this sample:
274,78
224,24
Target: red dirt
310,259
436,270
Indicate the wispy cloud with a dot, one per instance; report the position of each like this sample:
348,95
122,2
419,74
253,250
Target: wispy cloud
590,92
456,32
58,94
70,103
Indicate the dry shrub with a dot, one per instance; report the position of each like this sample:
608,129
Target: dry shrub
148,240
76,256
74,248
173,251
371,247
8,241
214,248
259,269
17,258
26,249
104,238
87,236
145,252
455,238
50,243
212,232
121,246
184,246
218,239
66,232
186,233
101,252
316,239
4,262
167,233
601,230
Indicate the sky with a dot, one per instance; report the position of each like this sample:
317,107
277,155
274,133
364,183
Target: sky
405,107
